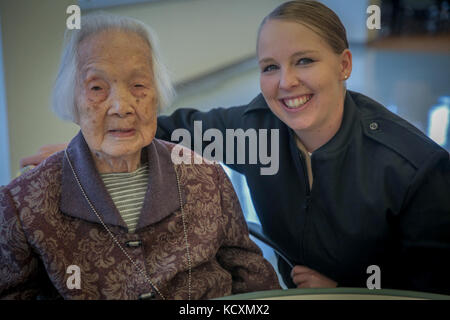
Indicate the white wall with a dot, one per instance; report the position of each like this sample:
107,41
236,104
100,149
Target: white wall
353,15
198,36
31,34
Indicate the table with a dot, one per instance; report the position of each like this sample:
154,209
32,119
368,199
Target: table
337,294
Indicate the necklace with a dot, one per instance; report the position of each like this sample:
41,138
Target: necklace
155,288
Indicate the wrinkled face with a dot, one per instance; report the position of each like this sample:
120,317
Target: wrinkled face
116,96
301,77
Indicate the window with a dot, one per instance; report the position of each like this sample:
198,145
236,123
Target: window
438,121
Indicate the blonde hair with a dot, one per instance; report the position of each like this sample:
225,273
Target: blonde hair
317,17
63,96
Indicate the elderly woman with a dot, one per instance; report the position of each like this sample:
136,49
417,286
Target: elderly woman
111,217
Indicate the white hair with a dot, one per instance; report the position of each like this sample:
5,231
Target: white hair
63,95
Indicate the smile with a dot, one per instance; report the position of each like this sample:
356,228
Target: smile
296,102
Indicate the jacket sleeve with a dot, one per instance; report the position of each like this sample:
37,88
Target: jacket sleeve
238,254
18,265
425,228
196,123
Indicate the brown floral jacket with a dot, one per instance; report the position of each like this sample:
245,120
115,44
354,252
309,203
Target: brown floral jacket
47,226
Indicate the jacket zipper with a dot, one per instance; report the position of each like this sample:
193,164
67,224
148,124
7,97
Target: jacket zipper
305,174
306,205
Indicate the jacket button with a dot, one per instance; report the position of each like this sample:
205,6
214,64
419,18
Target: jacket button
133,243
373,126
147,296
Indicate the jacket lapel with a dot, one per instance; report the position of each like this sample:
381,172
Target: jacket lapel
161,198
73,202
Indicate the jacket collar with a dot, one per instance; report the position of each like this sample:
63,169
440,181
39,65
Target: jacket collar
161,198
343,136
258,103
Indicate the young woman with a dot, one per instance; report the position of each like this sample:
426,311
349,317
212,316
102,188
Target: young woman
357,186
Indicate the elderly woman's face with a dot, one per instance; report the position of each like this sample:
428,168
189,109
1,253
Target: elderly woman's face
301,76
116,96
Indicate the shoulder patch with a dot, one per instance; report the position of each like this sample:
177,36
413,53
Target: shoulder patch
394,132
401,137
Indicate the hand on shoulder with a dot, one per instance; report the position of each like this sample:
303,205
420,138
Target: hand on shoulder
43,153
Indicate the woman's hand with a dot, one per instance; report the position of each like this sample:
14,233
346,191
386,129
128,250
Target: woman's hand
43,153
305,277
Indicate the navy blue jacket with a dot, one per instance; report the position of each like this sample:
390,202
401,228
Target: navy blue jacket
381,195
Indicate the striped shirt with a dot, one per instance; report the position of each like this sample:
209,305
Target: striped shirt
127,190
